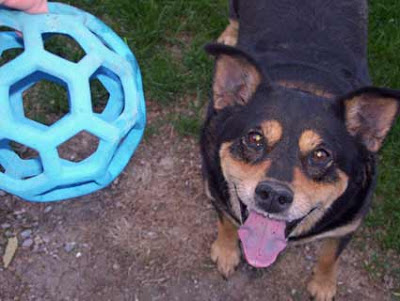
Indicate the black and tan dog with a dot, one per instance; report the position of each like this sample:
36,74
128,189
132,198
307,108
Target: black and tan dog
292,131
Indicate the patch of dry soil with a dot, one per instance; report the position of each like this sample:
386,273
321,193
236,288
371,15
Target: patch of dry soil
147,237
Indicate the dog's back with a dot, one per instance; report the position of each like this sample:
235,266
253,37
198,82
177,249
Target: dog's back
318,41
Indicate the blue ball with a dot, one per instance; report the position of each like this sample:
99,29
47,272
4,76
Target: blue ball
118,128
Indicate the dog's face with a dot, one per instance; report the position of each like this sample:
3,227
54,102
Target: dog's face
288,155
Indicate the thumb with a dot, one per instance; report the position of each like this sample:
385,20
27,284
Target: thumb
30,6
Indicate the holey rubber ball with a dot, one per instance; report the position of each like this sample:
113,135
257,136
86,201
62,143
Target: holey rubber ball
115,131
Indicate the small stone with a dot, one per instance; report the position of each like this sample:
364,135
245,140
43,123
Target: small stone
46,239
116,266
36,248
79,254
293,292
151,234
38,240
19,212
5,226
309,258
69,246
26,233
27,243
9,233
48,209
167,163
2,193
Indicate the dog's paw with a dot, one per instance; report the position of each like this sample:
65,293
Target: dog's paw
226,256
322,288
228,38
230,35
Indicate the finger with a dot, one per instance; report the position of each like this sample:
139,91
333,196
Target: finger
30,6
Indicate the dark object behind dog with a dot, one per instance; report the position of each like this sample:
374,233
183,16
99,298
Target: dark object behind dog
292,130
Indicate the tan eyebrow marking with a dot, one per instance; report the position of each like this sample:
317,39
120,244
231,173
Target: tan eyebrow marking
273,131
309,140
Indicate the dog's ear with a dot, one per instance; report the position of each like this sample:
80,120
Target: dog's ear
369,114
236,76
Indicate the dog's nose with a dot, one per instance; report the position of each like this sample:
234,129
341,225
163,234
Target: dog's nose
273,197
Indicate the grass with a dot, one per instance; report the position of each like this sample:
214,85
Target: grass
187,126
49,111
167,37
384,45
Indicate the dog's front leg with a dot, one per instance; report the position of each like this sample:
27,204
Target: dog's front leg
230,34
225,249
323,283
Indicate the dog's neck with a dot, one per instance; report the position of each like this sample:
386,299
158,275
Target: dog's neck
313,69
306,87
319,43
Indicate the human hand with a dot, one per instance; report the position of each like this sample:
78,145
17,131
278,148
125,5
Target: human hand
30,6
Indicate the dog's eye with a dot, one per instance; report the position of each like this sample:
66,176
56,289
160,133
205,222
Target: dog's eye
321,157
254,139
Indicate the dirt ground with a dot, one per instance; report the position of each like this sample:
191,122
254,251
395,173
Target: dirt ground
147,237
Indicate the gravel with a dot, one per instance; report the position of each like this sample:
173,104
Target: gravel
5,226
69,246
26,233
27,243
48,209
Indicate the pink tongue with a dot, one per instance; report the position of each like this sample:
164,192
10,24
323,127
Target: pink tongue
262,239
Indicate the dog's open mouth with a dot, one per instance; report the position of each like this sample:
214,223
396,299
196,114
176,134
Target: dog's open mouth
262,237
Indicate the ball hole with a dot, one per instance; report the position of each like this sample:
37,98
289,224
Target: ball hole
9,54
45,101
64,47
6,29
79,147
107,94
23,151
99,95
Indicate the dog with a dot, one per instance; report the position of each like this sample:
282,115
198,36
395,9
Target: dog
291,133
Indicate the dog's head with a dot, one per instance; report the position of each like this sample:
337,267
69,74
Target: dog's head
288,155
